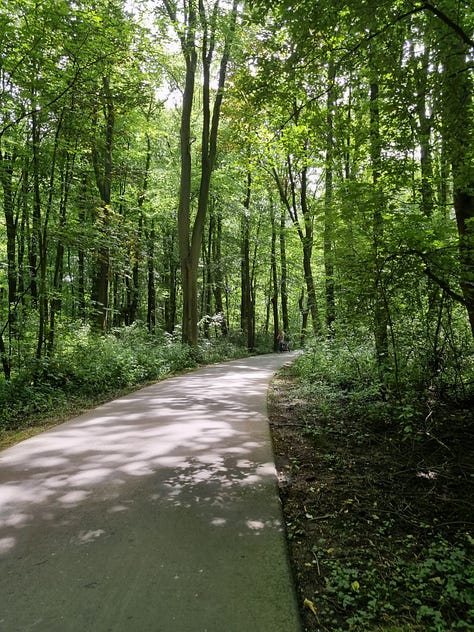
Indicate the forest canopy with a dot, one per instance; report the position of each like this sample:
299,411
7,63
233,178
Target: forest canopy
227,170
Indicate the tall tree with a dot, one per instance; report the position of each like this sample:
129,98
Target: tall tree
198,26
247,306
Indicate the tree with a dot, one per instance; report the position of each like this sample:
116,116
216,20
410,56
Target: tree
198,25
459,137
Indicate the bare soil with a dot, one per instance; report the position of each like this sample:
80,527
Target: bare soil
379,526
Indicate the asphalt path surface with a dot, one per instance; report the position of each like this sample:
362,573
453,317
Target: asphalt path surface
157,512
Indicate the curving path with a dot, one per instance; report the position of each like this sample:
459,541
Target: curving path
157,512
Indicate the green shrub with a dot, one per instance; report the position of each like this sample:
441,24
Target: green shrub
85,364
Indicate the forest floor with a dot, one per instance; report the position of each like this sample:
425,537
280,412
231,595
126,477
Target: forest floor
380,529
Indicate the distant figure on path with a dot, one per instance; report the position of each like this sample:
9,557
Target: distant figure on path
283,345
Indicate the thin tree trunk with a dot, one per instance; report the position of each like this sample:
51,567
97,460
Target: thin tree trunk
103,175
81,258
6,175
304,318
284,275
218,279
308,253
24,237
426,155
56,300
328,205
37,246
151,291
207,278
188,267
246,308
305,232
170,282
274,286
380,309
134,295
190,240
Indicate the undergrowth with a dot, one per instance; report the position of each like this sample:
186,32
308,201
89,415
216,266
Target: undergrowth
86,368
377,494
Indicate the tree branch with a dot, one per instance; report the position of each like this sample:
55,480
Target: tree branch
449,22
426,6
431,275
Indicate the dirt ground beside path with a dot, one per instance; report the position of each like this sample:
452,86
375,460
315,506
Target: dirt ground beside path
380,530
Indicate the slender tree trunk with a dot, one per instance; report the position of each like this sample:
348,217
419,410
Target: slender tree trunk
24,237
348,139
284,275
35,228
328,205
274,286
380,308
207,278
218,278
38,246
134,282
6,175
170,281
308,253
6,365
56,300
134,290
55,303
81,284
103,175
444,173
246,307
304,318
428,199
253,284
425,125
151,290
304,228
189,240
188,265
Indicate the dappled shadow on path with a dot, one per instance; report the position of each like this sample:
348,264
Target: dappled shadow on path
196,442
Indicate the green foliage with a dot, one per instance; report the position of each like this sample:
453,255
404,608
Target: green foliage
86,365
384,522
23,401
341,375
346,361
439,578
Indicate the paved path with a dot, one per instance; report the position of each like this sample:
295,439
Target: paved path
157,512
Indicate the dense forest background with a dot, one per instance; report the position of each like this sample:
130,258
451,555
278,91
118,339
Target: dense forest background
181,180
235,170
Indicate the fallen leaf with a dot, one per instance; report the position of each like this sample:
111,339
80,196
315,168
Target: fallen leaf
307,603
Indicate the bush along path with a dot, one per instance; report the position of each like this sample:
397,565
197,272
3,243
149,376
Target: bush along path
87,370
379,520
